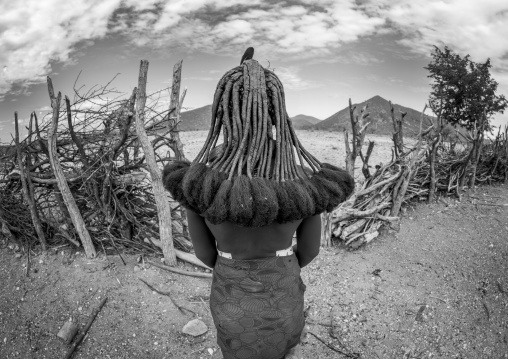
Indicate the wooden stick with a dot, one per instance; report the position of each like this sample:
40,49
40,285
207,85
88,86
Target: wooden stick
183,272
334,348
163,208
188,257
167,294
70,202
26,190
493,204
80,337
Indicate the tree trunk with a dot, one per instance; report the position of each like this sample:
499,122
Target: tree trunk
26,188
476,159
163,208
175,106
74,213
478,149
350,160
432,165
326,229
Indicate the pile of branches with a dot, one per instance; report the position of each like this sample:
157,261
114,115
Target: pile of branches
419,172
104,166
452,171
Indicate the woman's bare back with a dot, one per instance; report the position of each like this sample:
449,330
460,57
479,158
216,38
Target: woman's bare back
253,242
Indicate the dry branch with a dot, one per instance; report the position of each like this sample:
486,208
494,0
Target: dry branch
81,335
27,193
180,271
72,207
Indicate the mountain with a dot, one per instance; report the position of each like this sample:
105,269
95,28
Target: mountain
380,118
304,121
197,119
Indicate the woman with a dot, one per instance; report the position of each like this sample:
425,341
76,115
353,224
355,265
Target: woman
245,200
253,289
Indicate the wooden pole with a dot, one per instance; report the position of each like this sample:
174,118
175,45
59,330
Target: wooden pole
175,106
69,201
163,208
326,229
26,189
409,168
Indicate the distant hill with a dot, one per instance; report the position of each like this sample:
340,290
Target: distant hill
380,117
197,119
379,109
304,121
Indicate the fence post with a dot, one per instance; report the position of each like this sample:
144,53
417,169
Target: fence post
69,201
27,193
163,208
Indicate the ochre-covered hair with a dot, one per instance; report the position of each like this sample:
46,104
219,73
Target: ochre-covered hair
254,178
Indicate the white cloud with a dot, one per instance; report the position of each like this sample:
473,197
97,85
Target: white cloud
34,33
276,29
44,109
290,77
477,28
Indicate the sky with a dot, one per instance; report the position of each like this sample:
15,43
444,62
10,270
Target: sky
324,51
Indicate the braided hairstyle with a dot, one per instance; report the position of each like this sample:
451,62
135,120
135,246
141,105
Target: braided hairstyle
253,179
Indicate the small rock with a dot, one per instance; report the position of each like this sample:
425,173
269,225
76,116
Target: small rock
195,328
136,269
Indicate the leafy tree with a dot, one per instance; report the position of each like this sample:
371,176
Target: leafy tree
463,90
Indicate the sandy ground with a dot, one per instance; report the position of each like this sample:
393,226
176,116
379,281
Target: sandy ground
327,146
435,289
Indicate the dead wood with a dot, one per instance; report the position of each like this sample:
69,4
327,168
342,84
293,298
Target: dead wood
187,257
334,348
175,106
68,332
164,211
81,335
358,129
27,193
168,294
183,272
69,200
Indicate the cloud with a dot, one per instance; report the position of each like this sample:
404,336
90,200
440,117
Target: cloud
477,28
34,34
277,29
44,109
290,77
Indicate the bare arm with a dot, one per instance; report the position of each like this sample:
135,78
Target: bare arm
308,240
202,239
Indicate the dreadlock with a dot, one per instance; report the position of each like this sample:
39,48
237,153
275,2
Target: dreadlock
252,178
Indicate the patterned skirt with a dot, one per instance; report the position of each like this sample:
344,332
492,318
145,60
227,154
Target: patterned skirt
257,306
